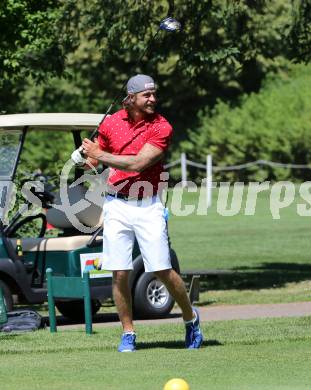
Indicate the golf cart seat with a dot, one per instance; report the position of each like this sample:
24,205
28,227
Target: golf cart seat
90,216
61,244
91,202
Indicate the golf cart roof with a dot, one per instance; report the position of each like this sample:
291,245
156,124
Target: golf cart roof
53,121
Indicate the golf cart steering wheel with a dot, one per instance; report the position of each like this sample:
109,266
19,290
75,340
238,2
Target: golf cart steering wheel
12,231
45,197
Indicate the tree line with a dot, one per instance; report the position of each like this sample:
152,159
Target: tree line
73,56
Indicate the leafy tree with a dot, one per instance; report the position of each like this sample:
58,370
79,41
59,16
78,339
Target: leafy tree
300,31
273,124
224,50
33,44
46,151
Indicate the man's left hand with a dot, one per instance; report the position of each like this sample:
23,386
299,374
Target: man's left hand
91,149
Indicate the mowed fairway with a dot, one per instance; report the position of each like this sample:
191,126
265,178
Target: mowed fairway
255,354
256,242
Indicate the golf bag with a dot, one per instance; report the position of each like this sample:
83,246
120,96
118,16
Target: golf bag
22,321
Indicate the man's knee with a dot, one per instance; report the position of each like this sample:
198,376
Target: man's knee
120,277
165,274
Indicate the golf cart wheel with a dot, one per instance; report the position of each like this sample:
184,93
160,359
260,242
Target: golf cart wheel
151,298
7,295
74,310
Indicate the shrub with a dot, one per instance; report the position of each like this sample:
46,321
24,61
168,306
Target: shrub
273,124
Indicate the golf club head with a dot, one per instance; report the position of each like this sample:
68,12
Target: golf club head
170,24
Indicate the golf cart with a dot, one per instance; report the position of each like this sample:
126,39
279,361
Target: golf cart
78,239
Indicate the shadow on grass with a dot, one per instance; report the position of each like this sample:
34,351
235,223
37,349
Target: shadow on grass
263,276
173,344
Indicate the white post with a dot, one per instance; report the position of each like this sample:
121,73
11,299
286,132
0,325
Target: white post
183,160
209,180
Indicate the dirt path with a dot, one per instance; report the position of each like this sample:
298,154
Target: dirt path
213,313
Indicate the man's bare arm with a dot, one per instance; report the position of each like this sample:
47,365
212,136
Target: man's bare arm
146,157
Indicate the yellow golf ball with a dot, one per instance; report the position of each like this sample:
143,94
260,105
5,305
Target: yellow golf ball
176,384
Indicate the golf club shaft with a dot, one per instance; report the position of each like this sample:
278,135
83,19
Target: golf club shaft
120,94
167,24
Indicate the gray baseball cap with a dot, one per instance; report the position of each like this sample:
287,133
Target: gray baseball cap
139,83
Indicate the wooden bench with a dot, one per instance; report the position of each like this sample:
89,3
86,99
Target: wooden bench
196,275
69,287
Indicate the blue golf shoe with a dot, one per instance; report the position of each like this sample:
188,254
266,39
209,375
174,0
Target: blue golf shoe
128,342
194,336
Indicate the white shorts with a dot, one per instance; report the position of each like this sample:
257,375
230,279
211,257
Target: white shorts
125,219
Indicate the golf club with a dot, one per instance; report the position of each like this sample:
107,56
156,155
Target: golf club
168,24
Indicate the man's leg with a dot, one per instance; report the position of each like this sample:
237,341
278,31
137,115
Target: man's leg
123,300
118,239
151,232
177,289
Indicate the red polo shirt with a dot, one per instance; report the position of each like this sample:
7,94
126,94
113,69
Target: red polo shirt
119,135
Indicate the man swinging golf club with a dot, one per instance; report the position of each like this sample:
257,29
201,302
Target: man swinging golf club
132,142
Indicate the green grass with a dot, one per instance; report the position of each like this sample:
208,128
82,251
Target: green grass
290,292
271,257
242,242
254,354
